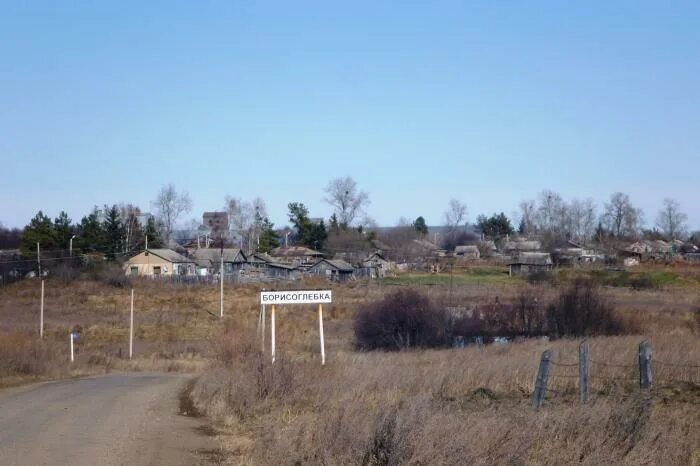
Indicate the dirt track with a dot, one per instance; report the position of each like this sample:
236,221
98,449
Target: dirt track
115,419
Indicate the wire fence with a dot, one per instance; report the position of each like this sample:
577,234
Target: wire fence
593,379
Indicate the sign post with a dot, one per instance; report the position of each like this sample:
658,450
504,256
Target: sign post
296,297
72,355
320,331
272,333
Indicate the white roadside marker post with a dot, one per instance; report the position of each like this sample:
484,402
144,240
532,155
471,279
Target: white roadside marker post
41,318
221,275
72,354
131,326
320,328
272,333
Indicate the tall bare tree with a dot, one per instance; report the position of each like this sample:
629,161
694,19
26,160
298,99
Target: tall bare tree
621,217
347,201
552,213
528,217
169,206
582,219
455,215
671,221
246,219
133,234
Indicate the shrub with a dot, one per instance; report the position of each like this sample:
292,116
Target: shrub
581,310
403,319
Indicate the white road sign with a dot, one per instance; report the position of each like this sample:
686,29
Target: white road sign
296,297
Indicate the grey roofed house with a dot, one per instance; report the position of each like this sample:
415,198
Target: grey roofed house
517,246
295,255
374,266
530,262
263,266
467,252
209,259
333,269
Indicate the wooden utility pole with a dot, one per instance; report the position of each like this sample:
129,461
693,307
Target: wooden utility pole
542,379
584,365
645,374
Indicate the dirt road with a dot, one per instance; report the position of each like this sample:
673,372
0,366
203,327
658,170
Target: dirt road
129,419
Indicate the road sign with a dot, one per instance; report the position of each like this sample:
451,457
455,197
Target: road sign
296,297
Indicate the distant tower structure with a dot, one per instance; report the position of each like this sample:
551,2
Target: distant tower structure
217,226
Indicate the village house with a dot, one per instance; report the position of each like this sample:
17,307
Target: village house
334,270
208,261
467,252
530,262
262,267
515,247
298,256
156,262
572,253
378,265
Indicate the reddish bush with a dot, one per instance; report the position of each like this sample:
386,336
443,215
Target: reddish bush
404,319
581,310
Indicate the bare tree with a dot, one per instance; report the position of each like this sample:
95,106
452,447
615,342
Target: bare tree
582,219
245,220
455,215
133,236
671,221
348,202
169,206
552,213
621,217
528,217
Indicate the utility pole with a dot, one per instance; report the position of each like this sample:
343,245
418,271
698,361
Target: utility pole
38,257
70,247
146,242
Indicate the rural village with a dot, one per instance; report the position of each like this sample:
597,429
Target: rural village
350,233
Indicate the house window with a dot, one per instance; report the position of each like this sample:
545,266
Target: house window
156,270
134,270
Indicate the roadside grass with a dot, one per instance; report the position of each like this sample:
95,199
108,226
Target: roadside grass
452,406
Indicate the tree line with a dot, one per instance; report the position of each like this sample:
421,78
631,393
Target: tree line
120,229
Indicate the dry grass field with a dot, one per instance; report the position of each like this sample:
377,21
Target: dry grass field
450,406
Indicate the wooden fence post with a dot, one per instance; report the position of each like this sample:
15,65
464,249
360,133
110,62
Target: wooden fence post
584,365
542,379
645,376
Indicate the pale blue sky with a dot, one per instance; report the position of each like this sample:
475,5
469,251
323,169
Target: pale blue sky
491,102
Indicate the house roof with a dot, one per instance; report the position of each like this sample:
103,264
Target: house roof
533,258
206,256
428,245
294,251
377,255
336,263
466,249
522,245
168,255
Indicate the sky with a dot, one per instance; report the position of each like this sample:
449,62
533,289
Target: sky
419,102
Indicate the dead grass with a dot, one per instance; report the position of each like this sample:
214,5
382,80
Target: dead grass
467,406
432,407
